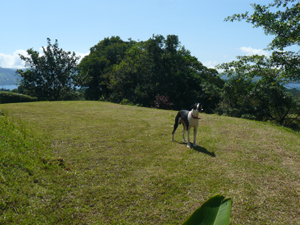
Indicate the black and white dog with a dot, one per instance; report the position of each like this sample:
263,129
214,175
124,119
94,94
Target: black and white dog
188,119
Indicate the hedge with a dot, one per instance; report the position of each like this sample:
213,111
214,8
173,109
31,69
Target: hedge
10,97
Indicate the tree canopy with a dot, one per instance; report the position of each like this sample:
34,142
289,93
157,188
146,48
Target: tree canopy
255,87
142,71
50,76
255,91
280,19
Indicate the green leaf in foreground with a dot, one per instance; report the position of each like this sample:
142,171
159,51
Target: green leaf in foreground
215,211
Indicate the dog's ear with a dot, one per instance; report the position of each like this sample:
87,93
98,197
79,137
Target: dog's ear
200,107
194,106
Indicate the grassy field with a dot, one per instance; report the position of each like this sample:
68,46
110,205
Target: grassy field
102,163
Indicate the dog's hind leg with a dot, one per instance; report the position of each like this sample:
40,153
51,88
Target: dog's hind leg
183,134
174,132
175,126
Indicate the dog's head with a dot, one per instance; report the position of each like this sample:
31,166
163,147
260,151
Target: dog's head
197,107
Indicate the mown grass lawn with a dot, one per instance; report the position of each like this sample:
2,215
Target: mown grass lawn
90,162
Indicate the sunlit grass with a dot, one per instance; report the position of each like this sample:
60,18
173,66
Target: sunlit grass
103,163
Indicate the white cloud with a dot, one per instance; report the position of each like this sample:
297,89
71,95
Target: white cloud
82,55
12,61
210,64
251,51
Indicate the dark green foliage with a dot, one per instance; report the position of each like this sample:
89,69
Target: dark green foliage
234,101
11,97
259,100
141,71
161,66
289,64
52,76
255,91
98,63
126,102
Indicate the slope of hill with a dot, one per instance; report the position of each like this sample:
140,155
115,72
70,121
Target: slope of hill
7,76
103,163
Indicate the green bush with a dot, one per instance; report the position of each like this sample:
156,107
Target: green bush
69,94
126,102
10,97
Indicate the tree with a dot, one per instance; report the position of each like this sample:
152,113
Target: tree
260,93
284,25
99,63
255,91
131,78
52,75
140,72
161,67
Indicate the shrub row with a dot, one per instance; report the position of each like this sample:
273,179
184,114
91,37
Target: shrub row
10,97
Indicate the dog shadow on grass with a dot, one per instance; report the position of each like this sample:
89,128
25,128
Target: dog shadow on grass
201,149
204,150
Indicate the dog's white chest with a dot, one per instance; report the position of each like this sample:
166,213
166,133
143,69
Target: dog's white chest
193,122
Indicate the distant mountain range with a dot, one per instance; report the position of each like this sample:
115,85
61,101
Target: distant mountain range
8,76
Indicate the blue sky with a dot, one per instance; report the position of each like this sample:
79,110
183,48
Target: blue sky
79,25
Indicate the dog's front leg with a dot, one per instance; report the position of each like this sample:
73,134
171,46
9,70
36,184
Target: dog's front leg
188,136
195,135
